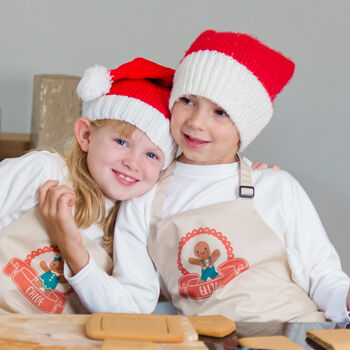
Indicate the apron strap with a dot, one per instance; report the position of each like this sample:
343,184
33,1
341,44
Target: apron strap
159,196
246,189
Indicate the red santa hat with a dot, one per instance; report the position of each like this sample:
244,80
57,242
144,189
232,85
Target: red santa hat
136,92
237,72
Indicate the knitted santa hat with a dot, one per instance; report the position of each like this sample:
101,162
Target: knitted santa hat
136,92
237,72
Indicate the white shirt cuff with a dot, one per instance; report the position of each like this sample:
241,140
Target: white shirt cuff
81,275
337,308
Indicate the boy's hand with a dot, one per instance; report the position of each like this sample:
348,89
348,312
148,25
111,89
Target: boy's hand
56,206
260,166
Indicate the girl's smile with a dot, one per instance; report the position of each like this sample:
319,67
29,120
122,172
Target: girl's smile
124,179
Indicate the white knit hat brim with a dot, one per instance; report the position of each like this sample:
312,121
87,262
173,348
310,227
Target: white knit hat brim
228,83
142,115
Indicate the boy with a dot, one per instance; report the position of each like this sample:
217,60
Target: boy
273,259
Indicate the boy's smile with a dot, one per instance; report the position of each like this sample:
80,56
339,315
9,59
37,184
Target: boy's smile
195,142
203,131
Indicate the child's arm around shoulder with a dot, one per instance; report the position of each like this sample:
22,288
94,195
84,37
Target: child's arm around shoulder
262,165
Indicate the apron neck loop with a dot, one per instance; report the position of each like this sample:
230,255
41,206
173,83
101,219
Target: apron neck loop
159,197
246,189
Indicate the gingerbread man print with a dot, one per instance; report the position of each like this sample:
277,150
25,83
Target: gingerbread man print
205,260
52,275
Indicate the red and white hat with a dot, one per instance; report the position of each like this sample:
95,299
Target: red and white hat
136,92
237,72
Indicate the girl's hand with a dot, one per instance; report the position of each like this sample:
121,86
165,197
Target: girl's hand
56,208
260,166
56,203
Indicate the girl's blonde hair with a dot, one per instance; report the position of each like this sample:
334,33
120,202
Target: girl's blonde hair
90,204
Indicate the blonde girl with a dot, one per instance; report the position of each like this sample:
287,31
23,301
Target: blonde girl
121,146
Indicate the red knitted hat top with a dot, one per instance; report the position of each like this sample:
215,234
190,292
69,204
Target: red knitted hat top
136,92
237,72
144,80
271,68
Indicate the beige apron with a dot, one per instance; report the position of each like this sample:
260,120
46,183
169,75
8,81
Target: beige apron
223,258
31,274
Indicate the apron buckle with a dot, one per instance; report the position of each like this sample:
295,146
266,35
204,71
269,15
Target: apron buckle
246,191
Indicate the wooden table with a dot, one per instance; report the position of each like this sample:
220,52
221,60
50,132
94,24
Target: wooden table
69,330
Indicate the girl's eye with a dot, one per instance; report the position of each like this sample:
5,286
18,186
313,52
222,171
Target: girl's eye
221,113
186,100
120,142
152,155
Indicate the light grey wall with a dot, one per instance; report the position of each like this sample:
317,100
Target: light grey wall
308,135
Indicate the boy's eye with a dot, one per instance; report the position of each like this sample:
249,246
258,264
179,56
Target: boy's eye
185,100
152,155
221,113
120,142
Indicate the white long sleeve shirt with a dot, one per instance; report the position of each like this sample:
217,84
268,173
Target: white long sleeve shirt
280,201
20,179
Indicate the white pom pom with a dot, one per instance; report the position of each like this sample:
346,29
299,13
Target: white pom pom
95,83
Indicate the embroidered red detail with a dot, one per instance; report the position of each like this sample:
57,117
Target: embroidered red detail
24,277
40,251
191,285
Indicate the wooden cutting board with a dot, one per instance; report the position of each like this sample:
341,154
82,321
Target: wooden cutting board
69,330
